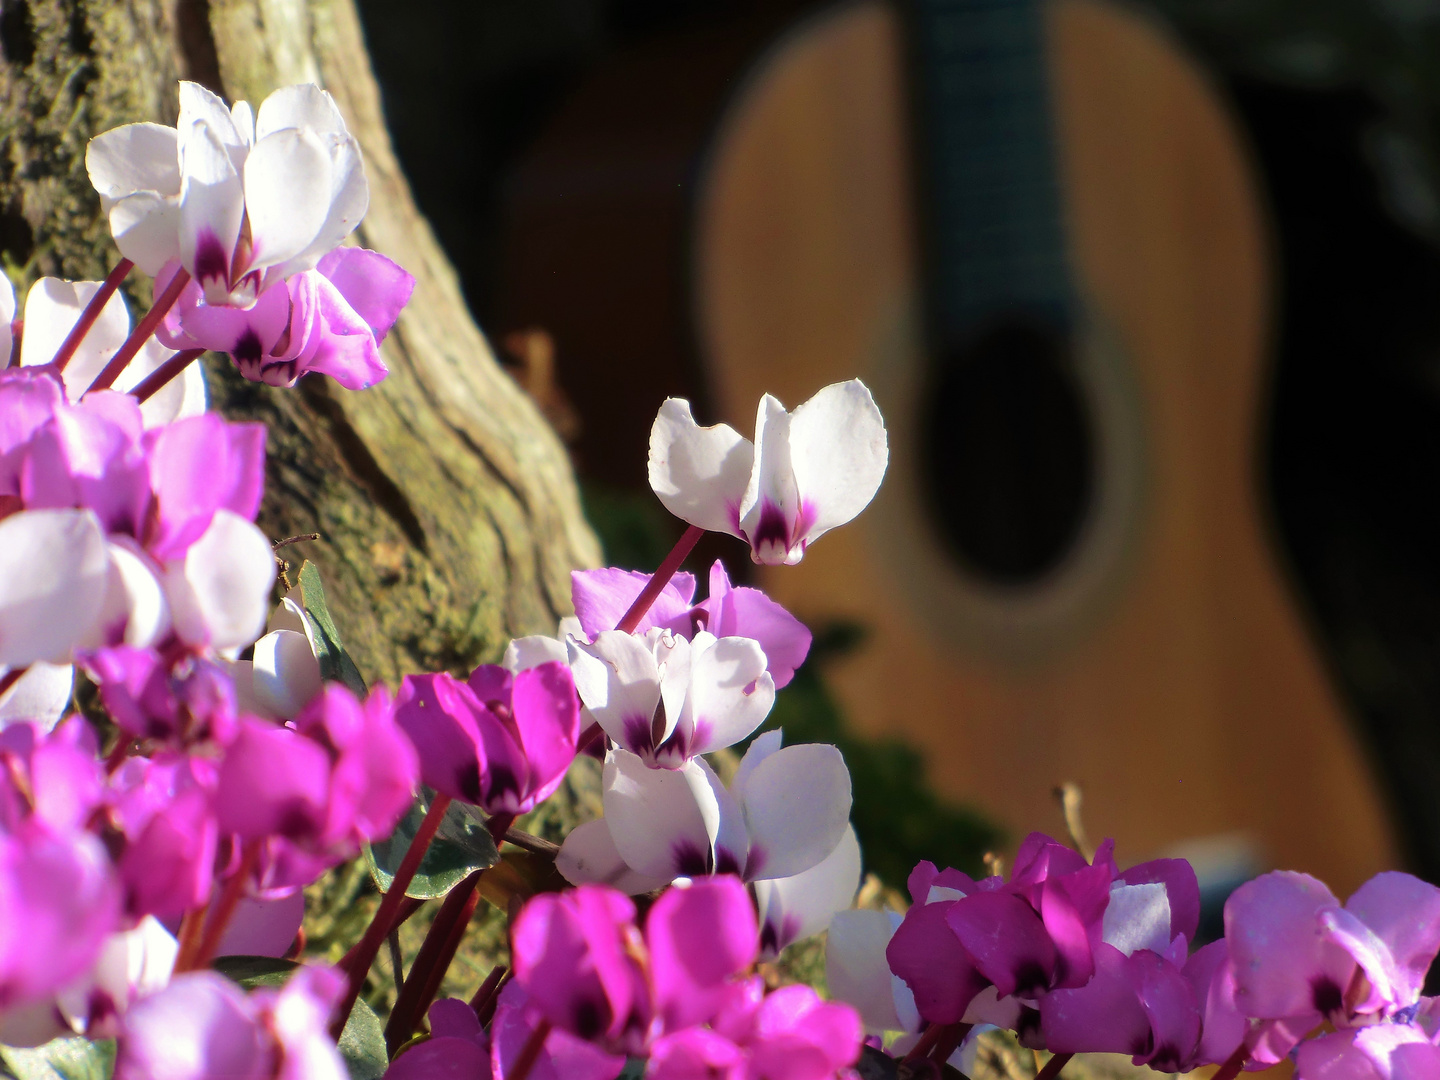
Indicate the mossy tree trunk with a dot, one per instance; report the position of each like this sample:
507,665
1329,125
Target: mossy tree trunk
447,508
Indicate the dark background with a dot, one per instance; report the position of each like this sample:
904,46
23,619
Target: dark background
1338,103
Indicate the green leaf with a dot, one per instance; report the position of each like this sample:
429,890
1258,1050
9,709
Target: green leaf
335,662
362,1043
461,846
61,1059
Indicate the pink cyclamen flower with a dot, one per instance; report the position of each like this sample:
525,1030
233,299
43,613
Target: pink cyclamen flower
499,741
164,809
579,957
203,1026
1301,957
786,810
330,320
344,774
242,199
805,473
601,597
52,308
1379,1052
667,699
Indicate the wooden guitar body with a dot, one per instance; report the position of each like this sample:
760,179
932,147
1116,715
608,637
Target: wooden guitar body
1162,664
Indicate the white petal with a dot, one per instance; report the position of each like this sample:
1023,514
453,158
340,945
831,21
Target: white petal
532,651
856,970
287,194
52,307
1137,917
219,591
286,674
136,611
349,200
797,804
243,117
7,315
303,105
794,908
663,822
42,693
699,473
732,845
212,206
197,103
589,856
182,397
730,691
290,615
761,747
53,572
131,158
771,504
838,450
146,228
672,661
131,965
617,680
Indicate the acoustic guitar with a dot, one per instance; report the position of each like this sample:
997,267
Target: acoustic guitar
1033,230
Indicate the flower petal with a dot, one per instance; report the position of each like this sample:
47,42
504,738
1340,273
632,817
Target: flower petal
730,691
344,346
246,333
303,105
746,612
349,200
796,804
136,612
287,194
838,451
619,683
286,674
699,474
1137,917
200,104
51,309
439,715
589,857
54,567
41,694
796,907
375,287
857,971
664,822
770,511
212,206
602,597
220,590
700,936
131,158
1404,912
547,715
146,228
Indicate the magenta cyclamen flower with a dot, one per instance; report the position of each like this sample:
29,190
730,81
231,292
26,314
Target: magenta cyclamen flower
331,320
499,741
1298,955
580,958
164,808
601,597
805,473
344,774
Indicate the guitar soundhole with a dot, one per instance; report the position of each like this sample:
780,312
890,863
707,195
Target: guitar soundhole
1008,452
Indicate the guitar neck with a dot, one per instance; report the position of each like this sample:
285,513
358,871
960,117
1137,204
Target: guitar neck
993,231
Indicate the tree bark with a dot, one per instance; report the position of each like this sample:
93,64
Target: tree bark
448,512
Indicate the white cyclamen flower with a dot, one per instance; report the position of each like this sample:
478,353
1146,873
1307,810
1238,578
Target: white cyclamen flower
805,473
241,199
667,699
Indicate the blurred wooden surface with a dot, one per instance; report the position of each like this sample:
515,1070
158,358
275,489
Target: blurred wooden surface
1182,689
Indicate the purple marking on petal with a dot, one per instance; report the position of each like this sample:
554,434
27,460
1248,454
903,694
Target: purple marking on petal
637,736
279,373
754,863
772,528
689,860
211,260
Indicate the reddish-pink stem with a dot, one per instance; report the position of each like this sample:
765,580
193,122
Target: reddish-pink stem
364,953
221,911
141,334
92,312
1054,1065
660,579
11,677
149,386
489,993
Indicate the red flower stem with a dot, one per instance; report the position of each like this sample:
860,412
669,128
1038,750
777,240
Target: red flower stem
1233,1064
192,928
489,993
921,1049
1055,1064
91,313
141,334
531,1053
222,910
11,677
408,907
952,1036
363,955
660,579
152,383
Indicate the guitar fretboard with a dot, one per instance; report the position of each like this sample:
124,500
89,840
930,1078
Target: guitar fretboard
994,237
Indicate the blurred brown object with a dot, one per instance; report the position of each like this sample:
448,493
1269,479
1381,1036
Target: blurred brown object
529,356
